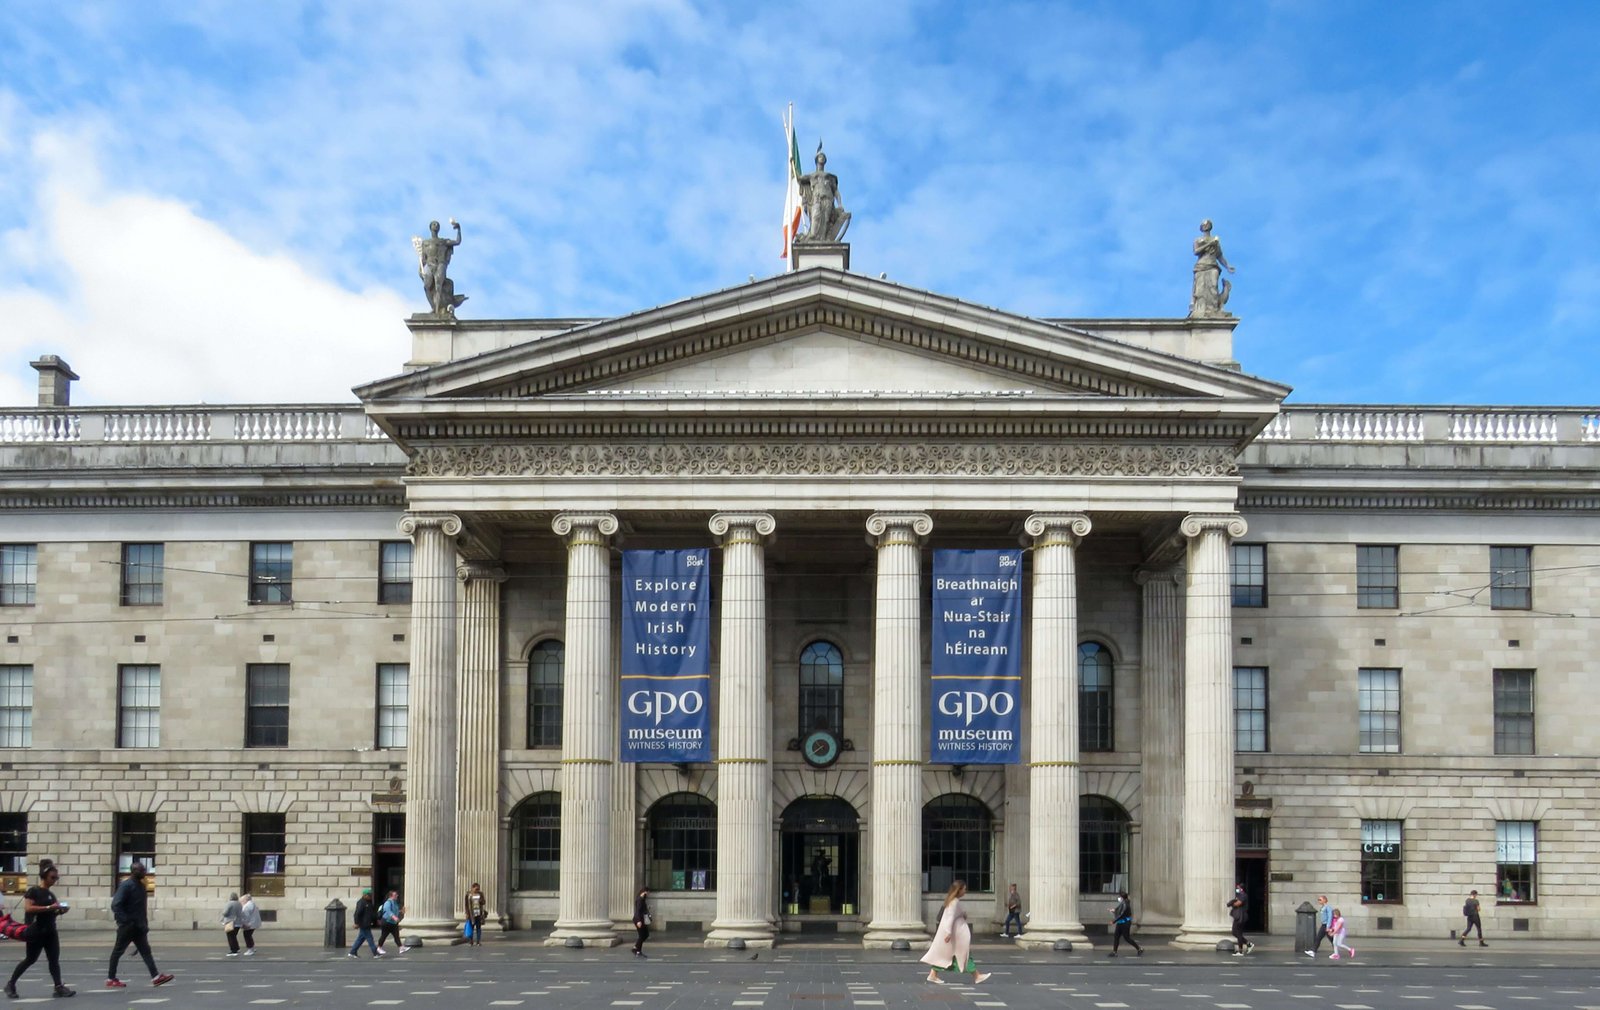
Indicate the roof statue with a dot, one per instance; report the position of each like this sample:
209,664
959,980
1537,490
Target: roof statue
433,262
819,191
1211,289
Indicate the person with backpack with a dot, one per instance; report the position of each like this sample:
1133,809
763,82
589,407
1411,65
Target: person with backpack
389,915
365,918
1471,910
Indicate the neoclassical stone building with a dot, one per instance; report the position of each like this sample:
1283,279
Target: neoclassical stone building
1319,649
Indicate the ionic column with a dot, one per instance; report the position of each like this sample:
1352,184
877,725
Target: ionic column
478,728
588,747
431,726
1053,732
897,737
1208,840
744,738
1161,767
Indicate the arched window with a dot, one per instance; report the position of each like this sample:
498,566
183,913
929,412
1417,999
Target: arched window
822,689
957,843
681,844
1102,846
546,664
536,843
1094,697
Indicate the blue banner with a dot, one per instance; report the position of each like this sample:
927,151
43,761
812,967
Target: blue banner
666,655
977,657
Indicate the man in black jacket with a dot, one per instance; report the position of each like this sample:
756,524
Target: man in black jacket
365,918
133,926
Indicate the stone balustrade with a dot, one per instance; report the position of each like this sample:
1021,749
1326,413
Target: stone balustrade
1458,425
238,423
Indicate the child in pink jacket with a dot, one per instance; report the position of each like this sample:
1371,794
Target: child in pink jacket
1337,929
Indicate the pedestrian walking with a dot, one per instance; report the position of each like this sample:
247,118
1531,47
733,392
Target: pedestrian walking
365,917
1338,931
951,949
1122,925
41,909
389,916
477,907
641,922
232,918
249,922
1013,912
1471,911
1324,924
1237,911
129,909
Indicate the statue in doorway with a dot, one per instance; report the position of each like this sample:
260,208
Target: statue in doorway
820,867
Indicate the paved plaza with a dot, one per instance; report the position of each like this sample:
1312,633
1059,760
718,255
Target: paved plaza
293,970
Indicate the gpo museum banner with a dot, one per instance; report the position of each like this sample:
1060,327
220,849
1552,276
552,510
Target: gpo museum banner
666,655
977,657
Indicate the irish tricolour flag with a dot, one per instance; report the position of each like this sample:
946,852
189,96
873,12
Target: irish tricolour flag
791,197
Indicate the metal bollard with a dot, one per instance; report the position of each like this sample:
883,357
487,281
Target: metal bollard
333,924
1305,927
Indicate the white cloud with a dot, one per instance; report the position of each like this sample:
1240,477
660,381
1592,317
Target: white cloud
151,303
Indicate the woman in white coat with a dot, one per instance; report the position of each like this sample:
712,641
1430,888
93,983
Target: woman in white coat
951,949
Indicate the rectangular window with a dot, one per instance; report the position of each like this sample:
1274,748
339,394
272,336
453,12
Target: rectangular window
1511,578
143,566
16,706
1250,709
394,571
1377,577
138,706
1516,859
1249,575
266,718
13,843
272,573
19,574
1380,711
136,842
264,853
1513,711
393,688
1382,862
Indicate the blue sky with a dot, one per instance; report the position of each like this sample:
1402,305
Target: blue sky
213,201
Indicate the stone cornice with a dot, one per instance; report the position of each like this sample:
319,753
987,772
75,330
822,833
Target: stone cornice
382,497
1357,500
740,459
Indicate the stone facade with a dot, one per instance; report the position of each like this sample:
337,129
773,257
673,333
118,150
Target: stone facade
822,432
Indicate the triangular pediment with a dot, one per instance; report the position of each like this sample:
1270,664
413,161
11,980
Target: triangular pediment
817,331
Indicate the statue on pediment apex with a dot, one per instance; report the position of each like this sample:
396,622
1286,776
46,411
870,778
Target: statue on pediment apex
1211,289
819,191
433,264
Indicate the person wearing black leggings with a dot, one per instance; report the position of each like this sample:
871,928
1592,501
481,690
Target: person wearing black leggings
42,910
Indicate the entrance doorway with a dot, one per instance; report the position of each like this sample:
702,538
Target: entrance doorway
1250,863
388,854
821,857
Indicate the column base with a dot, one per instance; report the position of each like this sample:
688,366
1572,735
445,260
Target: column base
592,935
431,930
1037,937
1202,938
756,935
884,935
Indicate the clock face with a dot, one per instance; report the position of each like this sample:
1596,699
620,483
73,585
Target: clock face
820,749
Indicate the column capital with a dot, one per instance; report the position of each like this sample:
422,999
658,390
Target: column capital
1196,523
571,524
898,527
1146,574
742,526
447,523
480,571
1054,528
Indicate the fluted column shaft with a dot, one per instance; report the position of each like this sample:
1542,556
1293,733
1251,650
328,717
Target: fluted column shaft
431,725
1208,837
1053,733
897,736
478,727
1161,768
744,737
588,747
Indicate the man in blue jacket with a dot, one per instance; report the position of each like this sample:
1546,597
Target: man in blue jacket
133,926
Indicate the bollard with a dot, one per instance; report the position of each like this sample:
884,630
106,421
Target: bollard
333,924
1305,927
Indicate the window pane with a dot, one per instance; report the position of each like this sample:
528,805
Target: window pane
264,856
13,843
16,706
394,571
1249,575
1103,836
136,842
139,706
1382,861
1379,704
536,843
821,689
1511,578
142,574
271,573
957,843
267,705
1250,709
393,696
546,672
681,844
1377,577
19,574
1516,860
1513,712
1095,698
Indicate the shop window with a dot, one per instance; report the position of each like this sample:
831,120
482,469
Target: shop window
1516,861
536,843
957,844
1382,862
681,844
1104,838
264,867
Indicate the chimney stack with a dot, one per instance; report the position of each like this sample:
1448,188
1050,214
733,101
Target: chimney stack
55,381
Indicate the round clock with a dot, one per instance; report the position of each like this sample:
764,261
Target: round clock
820,749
